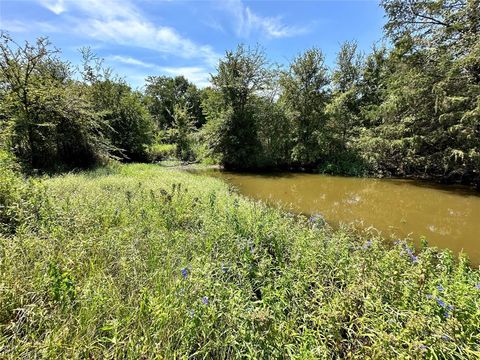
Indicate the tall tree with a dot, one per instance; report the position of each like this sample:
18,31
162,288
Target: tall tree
344,107
304,95
241,74
164,93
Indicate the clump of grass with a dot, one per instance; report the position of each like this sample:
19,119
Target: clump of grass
149,262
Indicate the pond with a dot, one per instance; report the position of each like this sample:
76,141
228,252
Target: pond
447,216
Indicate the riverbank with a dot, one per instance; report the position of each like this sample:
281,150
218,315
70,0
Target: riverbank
143,261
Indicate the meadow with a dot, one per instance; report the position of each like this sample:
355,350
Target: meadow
142,261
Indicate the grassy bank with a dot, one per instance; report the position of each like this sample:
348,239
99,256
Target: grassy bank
141,261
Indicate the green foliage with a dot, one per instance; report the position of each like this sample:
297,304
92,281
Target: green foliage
127,122
53,121
181,133
164,93
21,200
50,121
174,265
241,74
158,152
305,95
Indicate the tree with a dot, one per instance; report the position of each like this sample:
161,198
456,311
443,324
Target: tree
182,130
304,95
128,125
241,75
431,103
50,119
344,107
164,93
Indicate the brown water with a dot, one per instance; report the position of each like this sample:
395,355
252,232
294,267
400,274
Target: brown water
447,216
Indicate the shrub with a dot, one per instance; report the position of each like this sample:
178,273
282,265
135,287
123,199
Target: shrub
160,152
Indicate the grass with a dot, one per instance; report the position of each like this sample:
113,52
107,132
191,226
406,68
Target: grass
140,261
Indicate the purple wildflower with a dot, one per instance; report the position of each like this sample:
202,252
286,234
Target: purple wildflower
408,250
367,245
440,288
184,273
477,286
441,303
445,337
410,253
423,347
205,300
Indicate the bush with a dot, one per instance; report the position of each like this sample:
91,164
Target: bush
160,152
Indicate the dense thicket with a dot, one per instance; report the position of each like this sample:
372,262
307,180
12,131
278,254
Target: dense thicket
409,109
50,119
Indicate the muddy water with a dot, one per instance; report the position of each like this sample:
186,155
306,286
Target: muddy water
448,217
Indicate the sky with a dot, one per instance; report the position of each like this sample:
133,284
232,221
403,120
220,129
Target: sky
139,38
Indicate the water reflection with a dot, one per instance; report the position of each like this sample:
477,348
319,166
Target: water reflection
448,217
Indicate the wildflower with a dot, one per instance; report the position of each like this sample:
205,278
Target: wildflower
429,296
184,273
445,337
477,286
441,303
410,253
367,245
205,300
408,250
191,313
440,288
423,347
316,218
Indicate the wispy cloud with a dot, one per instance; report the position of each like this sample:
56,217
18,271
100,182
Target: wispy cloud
20,26
120,22
247,22
128,60
198,75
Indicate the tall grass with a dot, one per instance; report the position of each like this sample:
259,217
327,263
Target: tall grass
139,261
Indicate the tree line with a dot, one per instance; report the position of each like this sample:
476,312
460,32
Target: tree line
411,108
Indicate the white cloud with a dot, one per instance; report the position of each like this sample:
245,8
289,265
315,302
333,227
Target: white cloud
19,26
196,74
120,22
247,21
55,6
130,61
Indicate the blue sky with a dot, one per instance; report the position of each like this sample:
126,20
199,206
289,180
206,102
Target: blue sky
138,38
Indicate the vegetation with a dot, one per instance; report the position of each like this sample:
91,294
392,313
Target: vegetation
175,265
409,110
